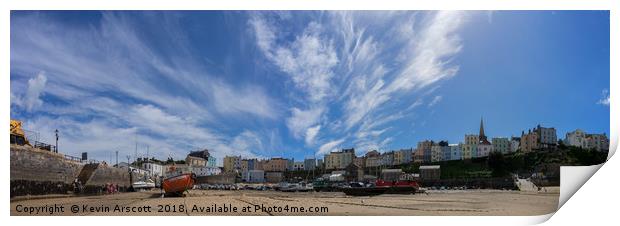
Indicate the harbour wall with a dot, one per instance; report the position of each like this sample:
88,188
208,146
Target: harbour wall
39,172
216,179
482,183
104,175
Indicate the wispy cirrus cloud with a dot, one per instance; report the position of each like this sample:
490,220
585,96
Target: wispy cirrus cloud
425,46
435,100
308,60
110,77
330,146
362,60
338,74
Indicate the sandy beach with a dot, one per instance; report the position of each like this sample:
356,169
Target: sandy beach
249,202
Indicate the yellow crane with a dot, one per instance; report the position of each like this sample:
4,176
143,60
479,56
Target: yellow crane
17,133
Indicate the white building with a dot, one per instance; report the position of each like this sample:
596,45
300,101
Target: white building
579,138
155,170
206,171
576,138
139,171
181,168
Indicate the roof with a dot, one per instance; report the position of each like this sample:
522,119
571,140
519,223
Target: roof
194,157
353,165
486,142
430,167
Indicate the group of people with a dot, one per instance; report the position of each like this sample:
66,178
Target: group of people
111,188
107,189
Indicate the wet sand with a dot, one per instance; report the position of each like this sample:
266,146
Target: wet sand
243,203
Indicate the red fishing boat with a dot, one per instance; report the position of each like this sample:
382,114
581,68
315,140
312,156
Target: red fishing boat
177,183
399,187
406,184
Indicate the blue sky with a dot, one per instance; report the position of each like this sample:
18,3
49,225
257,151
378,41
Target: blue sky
303,83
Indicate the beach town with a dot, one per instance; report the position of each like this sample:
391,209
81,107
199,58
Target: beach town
321,112
474,177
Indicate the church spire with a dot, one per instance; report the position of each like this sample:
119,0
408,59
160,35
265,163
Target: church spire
481,137
481,128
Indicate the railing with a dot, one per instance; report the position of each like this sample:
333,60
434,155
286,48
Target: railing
78,159
44,146
73,158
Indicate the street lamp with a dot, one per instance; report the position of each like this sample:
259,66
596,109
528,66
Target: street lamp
56,131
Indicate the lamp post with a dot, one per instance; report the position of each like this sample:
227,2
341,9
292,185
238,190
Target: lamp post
56,131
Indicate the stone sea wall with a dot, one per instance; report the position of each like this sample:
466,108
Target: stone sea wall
216,179
40,172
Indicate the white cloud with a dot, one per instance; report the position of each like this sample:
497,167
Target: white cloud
166,135
432,50
329,146
345,65
128,66
435,100
424,44
247,100
364,100
31,99
311,134
245,142
265,35
370,133
301,120
605,98
425,58
88,63
366,63
418,102
377,144
308,61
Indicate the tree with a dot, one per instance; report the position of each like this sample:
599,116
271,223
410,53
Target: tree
497,163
